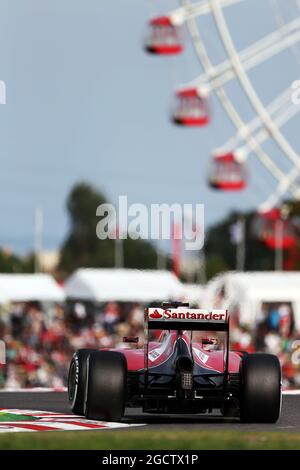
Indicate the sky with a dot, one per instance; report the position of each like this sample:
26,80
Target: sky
85,103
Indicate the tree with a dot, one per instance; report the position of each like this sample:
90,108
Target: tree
82,248
215,264
11,263
221,252
139,254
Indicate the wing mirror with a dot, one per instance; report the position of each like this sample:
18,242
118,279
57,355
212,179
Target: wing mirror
206,341
209,341
131,339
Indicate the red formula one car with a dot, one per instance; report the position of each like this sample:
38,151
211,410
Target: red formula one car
188,368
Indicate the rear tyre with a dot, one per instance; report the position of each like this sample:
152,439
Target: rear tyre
260,388
229,412
106,386
77,380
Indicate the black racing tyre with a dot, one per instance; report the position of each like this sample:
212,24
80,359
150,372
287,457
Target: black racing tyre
77,380
230,412
106,386
260,400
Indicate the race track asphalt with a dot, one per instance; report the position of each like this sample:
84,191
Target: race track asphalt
57,401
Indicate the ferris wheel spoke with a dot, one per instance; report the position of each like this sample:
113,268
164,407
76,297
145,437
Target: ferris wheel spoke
248,88
228,106
280,120
253,55
287,181
260,56
281,117
276,106
180,15
280,22
284,185
193,107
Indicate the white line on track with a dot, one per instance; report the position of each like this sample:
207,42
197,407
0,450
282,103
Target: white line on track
40,421
32,390
64,389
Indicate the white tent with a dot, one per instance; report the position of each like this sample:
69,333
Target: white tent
27,287
249,290
127,285
193,293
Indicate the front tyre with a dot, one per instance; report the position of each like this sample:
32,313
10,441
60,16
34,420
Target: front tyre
260,388
106,386
77,380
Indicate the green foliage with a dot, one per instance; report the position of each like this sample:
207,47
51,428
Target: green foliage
10,263
139,254
145,438
82,248
215,264
221,252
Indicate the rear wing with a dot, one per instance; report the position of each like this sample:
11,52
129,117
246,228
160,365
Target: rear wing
181,317
184,318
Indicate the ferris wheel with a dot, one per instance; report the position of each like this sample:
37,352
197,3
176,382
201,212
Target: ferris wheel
265,136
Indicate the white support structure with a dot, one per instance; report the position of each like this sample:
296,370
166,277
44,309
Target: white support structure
280,120
268,120
228,106
275,107
281,189
251,94
280,22
282,111
252,56
180,15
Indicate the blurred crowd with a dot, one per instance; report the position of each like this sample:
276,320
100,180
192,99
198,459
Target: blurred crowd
40,340
39,345
274,333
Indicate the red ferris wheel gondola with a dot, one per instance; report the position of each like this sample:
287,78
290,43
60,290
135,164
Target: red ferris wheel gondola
227,173
274,230
164,38
193,108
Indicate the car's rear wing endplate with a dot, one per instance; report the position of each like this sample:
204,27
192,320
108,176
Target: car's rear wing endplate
183,318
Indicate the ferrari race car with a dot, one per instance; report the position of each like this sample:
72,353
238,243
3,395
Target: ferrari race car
184,367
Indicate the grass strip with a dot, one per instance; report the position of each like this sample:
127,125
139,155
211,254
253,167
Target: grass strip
151,440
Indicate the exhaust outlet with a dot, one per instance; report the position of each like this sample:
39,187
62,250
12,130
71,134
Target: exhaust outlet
184,364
